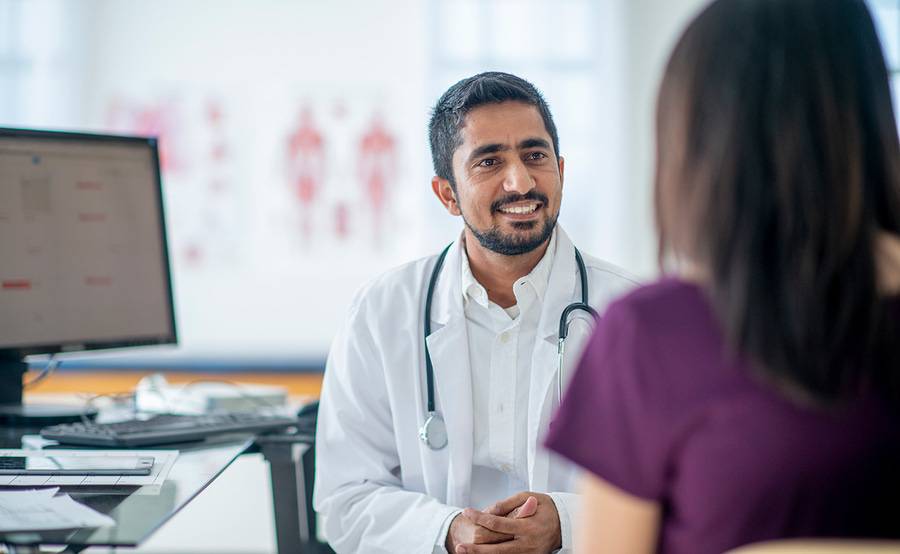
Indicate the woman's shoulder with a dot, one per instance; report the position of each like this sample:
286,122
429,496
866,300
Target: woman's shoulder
666,330
665,303
665,288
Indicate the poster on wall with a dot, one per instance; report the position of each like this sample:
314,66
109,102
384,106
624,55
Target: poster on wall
273,201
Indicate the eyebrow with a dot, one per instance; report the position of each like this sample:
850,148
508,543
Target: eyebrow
492,148
533,143
495,147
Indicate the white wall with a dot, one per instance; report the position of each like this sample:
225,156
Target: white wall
246,279
258,287
653,28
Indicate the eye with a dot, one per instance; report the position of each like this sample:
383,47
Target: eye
535,156
488,162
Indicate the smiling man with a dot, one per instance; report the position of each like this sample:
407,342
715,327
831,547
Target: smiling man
443,379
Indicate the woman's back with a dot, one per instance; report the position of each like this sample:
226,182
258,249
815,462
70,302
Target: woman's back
765,405
660,410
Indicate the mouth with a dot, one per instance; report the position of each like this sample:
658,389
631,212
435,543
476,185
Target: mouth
520,210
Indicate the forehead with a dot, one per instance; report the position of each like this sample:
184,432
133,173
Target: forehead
506,123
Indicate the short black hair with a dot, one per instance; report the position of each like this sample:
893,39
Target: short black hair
491,87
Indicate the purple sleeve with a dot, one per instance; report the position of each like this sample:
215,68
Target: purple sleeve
611,418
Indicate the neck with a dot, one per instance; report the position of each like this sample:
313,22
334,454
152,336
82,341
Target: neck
496,272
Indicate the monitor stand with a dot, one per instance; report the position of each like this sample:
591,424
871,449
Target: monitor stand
15,413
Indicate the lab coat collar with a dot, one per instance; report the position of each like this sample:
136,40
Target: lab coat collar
562,290
452,375
561,287
447,301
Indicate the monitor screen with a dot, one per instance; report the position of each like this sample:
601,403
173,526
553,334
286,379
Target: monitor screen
83,258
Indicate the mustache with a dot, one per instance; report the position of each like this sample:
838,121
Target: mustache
512,198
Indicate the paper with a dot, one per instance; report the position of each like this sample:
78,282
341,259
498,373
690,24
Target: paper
162,463
41,510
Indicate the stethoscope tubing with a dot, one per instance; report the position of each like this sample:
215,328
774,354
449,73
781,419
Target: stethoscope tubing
432,415
429,368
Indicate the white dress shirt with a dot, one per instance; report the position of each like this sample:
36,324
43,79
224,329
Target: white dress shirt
501,342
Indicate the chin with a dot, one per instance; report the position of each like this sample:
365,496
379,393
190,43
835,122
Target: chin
527,226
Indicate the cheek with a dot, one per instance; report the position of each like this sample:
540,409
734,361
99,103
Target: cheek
554,194
476,202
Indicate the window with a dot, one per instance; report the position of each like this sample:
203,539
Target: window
887,20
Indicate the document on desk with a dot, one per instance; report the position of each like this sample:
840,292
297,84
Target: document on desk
42,510
163,460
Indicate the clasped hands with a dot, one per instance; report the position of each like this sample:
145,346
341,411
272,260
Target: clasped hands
527,522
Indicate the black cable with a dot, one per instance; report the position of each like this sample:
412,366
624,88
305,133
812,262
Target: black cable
429,370
51,366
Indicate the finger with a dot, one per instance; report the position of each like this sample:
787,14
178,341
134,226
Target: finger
511,547
504,507
482,535
495,523
528,509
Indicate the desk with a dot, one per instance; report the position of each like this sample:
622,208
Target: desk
292,467
290,457
139,511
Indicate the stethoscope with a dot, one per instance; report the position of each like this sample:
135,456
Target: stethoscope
434,431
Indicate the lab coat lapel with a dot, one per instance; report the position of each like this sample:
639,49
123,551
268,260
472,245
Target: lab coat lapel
448,344
562,289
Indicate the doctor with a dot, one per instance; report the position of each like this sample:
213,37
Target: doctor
399,461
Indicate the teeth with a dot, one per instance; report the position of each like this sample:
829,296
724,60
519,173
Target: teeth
519,209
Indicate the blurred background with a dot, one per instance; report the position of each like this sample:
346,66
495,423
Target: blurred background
295,156
293,133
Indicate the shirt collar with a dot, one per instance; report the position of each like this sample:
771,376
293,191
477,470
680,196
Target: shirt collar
471,288
538,279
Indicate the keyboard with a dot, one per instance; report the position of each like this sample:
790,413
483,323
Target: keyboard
164,429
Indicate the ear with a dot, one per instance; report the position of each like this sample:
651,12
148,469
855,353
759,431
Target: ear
445,194
562,171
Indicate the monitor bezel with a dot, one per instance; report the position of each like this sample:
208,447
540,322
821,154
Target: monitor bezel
8,352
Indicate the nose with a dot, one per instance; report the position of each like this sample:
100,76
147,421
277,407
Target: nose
517,178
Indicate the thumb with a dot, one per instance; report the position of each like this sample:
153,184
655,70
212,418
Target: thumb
528,509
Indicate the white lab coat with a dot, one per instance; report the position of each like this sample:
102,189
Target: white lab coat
379,488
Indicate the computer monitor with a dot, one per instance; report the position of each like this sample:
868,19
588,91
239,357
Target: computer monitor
83,255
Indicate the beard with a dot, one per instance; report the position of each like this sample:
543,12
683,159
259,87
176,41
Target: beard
506,244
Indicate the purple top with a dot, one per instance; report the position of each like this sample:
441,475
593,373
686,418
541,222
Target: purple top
658,410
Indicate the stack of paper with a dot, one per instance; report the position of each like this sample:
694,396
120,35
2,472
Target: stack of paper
41,510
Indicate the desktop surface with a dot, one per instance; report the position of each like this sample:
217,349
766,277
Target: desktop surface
139,511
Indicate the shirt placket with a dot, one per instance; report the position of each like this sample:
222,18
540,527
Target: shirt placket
503,394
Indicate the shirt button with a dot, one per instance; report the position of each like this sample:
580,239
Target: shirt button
504,337
505,468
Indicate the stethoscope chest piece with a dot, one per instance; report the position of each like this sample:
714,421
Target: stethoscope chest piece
434,432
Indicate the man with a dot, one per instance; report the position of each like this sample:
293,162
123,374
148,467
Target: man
387,481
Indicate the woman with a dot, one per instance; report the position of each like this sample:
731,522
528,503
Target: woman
755,395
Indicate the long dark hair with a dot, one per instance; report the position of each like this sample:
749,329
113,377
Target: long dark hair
777,166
